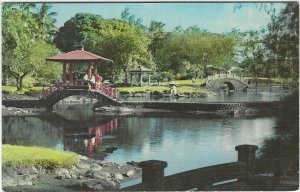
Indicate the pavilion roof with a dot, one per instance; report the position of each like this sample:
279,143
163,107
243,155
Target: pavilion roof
78,56
139,69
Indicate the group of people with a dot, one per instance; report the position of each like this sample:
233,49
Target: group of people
83,79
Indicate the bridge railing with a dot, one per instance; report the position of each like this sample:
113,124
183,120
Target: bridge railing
225,75
106,90
51,89
245,169
102,88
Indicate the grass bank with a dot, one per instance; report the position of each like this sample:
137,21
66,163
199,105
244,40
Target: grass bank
13,89
183,86
13,155
186,82
162,89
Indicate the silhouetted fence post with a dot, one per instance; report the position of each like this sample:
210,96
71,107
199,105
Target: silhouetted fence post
152,174
246,154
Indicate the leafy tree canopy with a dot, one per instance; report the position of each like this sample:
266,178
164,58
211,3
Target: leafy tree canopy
24,54
125,44
194,49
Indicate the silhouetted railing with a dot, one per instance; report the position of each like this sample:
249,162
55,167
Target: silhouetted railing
207,177
51,89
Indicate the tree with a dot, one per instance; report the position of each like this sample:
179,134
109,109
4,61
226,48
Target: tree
163,76
191,50
252,52
131,18
26,8
45,22
157,35
282,40
7,8
23,54
124,43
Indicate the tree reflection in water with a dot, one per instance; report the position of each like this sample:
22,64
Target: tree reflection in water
26,130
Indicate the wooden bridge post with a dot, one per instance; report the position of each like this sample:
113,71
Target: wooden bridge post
246,154
152,174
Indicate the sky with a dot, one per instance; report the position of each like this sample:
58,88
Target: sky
214,17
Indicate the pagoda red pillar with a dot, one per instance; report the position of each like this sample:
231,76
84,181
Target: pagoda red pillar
95,69
71,73
89,71
64,72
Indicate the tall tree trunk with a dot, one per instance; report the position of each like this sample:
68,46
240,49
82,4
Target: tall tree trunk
19,79
126,77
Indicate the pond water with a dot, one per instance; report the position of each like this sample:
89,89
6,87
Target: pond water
185,141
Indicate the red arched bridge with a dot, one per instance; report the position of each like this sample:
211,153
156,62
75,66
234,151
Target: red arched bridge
103,93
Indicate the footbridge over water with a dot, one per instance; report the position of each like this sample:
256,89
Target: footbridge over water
219,81
105,95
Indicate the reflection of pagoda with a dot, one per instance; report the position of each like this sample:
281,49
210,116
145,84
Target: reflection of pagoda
86,143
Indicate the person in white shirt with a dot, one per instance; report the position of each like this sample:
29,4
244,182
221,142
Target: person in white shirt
92,80
86,78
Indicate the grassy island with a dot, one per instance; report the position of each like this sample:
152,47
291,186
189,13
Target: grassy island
13,155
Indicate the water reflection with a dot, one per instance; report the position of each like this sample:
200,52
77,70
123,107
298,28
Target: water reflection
30,131
87,142
183,140
54,131
75,112
187,143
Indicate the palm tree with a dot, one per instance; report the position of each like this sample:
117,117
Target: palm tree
45,21
25,8
157,34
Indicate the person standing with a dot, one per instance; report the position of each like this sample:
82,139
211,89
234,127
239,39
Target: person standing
92,80
86,79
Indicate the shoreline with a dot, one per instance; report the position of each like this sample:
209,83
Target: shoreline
86,174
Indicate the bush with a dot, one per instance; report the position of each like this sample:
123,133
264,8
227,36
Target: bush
163,76
187,76
28,82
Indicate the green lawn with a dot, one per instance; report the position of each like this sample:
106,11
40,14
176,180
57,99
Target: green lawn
9,88
144,88
161,89
186,82
13,155
189,89
13,89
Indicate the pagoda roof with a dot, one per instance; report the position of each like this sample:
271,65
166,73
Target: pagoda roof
78,56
